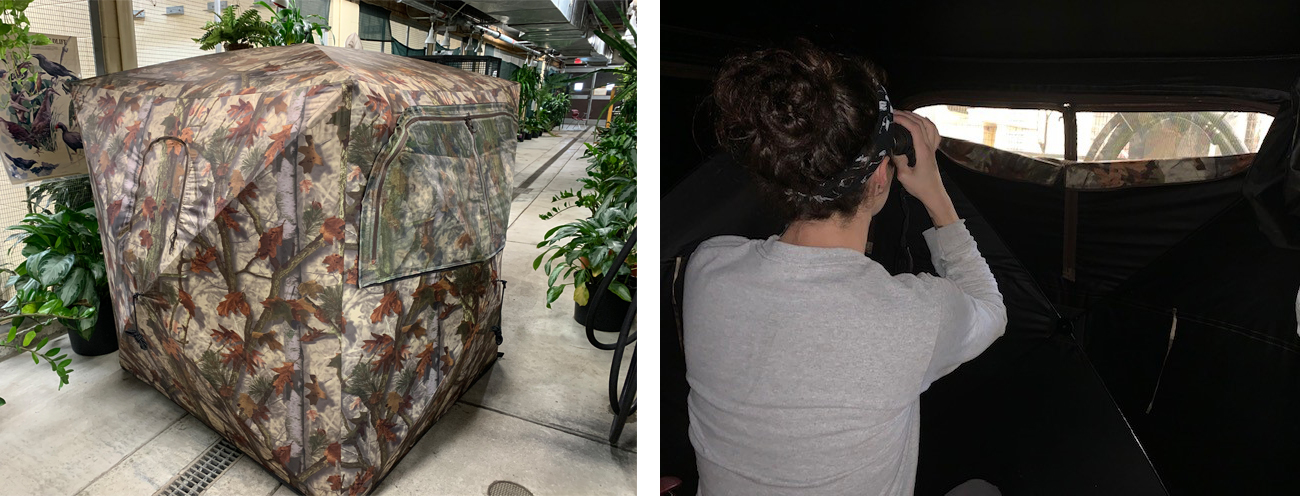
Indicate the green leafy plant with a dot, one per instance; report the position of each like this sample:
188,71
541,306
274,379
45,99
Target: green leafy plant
587,249
625,91
289,27
17,40
536,124
27,344
64,273
611,171
235,30
552,109
60,281
528,80
68,194
609,193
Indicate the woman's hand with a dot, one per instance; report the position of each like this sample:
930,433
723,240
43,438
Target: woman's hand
922,178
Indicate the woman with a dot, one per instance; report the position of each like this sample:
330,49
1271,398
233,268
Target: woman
806,359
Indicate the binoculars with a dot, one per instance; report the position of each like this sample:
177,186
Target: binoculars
902,144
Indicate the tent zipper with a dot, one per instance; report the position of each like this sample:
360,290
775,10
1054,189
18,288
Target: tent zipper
1173,327
482,175
404,133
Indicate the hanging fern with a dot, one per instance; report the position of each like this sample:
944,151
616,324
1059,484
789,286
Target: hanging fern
235,29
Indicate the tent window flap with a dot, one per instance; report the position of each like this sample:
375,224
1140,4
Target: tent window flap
429,204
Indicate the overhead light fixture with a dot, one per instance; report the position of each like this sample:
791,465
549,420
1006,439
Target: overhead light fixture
433,35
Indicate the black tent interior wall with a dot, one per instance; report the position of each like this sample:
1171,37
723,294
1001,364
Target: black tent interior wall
1067,402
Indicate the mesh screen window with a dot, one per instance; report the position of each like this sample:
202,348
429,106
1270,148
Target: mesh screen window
1032,132
1107,136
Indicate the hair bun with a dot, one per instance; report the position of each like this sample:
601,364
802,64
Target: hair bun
795,116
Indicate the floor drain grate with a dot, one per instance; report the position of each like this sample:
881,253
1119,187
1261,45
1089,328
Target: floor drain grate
210,465
507,488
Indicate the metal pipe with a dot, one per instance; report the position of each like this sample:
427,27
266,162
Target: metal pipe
507,39
420,6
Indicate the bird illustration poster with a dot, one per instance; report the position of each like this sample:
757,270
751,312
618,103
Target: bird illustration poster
41,138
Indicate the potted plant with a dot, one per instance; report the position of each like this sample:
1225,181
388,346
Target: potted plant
64,276
235,31
528,80
289,27
585,250
553,108
582,250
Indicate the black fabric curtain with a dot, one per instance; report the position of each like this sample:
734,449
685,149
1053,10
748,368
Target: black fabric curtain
373,24
1274,188
1199,347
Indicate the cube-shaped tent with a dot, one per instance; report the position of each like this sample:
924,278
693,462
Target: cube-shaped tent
309,241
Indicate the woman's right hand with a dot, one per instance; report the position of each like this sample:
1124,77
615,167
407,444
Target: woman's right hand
922,178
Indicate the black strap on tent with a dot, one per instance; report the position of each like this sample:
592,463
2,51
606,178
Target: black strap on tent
1070,234
135,196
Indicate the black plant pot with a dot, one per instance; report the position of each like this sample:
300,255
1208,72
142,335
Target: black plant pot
520,136
103,339
609,316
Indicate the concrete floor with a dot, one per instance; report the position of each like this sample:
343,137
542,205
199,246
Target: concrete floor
539,418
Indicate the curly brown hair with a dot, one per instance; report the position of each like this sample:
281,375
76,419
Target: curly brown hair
795,116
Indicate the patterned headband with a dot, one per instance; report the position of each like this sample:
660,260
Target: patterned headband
857,173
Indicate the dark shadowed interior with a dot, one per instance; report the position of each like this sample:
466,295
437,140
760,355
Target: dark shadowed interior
1067,401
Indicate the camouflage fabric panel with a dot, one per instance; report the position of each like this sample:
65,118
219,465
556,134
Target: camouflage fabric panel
431,203
242,327
179,166
419,343
1000,163
274,69
1128,174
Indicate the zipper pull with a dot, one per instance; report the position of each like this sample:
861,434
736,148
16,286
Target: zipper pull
470,124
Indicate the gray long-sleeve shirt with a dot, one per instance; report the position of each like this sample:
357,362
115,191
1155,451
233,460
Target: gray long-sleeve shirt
806,364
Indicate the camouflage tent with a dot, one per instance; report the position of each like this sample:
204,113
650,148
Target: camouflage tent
310,240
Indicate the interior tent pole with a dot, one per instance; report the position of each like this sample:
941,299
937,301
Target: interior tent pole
1070,235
